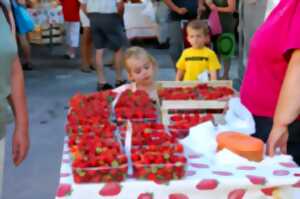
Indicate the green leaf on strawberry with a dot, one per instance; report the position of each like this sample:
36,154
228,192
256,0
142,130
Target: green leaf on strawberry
166,156
154,169
115,164
98,150
80,172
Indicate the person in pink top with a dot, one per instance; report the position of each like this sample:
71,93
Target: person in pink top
270,86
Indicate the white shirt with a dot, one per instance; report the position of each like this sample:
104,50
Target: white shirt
102,6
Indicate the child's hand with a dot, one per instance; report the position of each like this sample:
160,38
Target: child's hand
181,11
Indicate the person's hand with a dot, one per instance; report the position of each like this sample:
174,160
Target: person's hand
212,6
277,139
20,145
181,11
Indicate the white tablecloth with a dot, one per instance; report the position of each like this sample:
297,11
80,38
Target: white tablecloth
138,25
203,181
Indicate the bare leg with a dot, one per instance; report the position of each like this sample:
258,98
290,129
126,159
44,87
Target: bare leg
100,67
25,48
227,63
86,48
118,64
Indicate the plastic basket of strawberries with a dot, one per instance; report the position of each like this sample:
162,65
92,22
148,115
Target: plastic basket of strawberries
135,106
181,123
158,163
98,160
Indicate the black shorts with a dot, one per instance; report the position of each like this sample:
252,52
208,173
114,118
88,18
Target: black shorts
263,127
107,31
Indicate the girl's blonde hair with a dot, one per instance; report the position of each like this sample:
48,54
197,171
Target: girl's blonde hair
137,53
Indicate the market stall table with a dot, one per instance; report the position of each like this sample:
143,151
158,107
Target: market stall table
138,25
281,179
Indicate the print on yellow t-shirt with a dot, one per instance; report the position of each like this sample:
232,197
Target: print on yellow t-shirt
193,62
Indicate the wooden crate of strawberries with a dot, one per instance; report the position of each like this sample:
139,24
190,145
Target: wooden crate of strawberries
193,97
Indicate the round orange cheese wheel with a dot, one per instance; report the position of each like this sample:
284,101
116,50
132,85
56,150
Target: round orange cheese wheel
244,145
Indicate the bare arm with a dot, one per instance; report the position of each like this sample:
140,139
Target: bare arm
175,8
230,8
288,105
17,100
179,75
213,75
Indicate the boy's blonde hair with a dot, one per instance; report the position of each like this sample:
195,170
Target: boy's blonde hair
137,52
196,24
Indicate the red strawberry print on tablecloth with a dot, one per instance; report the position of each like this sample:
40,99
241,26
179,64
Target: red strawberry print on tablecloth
222,173
236,194
288,164
195,156
257,180
178,196
281,172
207,184
268,191
145,196
110,189
190,173
199,165
64,190
246,168
297,184
66,161
64,175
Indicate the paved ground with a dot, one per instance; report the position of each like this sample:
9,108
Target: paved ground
49,87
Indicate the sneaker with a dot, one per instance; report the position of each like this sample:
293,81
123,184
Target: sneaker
26,66
120,83
103,87
165,45
69,56
92,67
85,69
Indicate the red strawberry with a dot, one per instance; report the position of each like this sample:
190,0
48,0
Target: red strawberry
297,184
268,191
178,196
64,190
199,165
288,164
281,172
195,156
145,196
237,194
110,189
190,173
64,175
222,173
248,168
207,184
257,180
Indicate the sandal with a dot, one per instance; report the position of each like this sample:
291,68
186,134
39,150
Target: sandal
103,87
120,83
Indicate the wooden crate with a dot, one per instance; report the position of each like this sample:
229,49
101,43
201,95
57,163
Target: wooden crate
167,105
47,34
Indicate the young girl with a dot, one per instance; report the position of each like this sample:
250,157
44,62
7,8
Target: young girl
141,68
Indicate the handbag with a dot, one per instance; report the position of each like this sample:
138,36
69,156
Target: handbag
214,23
23,19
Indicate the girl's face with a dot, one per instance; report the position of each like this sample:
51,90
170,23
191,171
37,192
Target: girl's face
141,70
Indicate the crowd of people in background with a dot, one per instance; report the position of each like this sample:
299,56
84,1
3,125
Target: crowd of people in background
101,26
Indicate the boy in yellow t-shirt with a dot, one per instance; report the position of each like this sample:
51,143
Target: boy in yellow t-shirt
198,58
